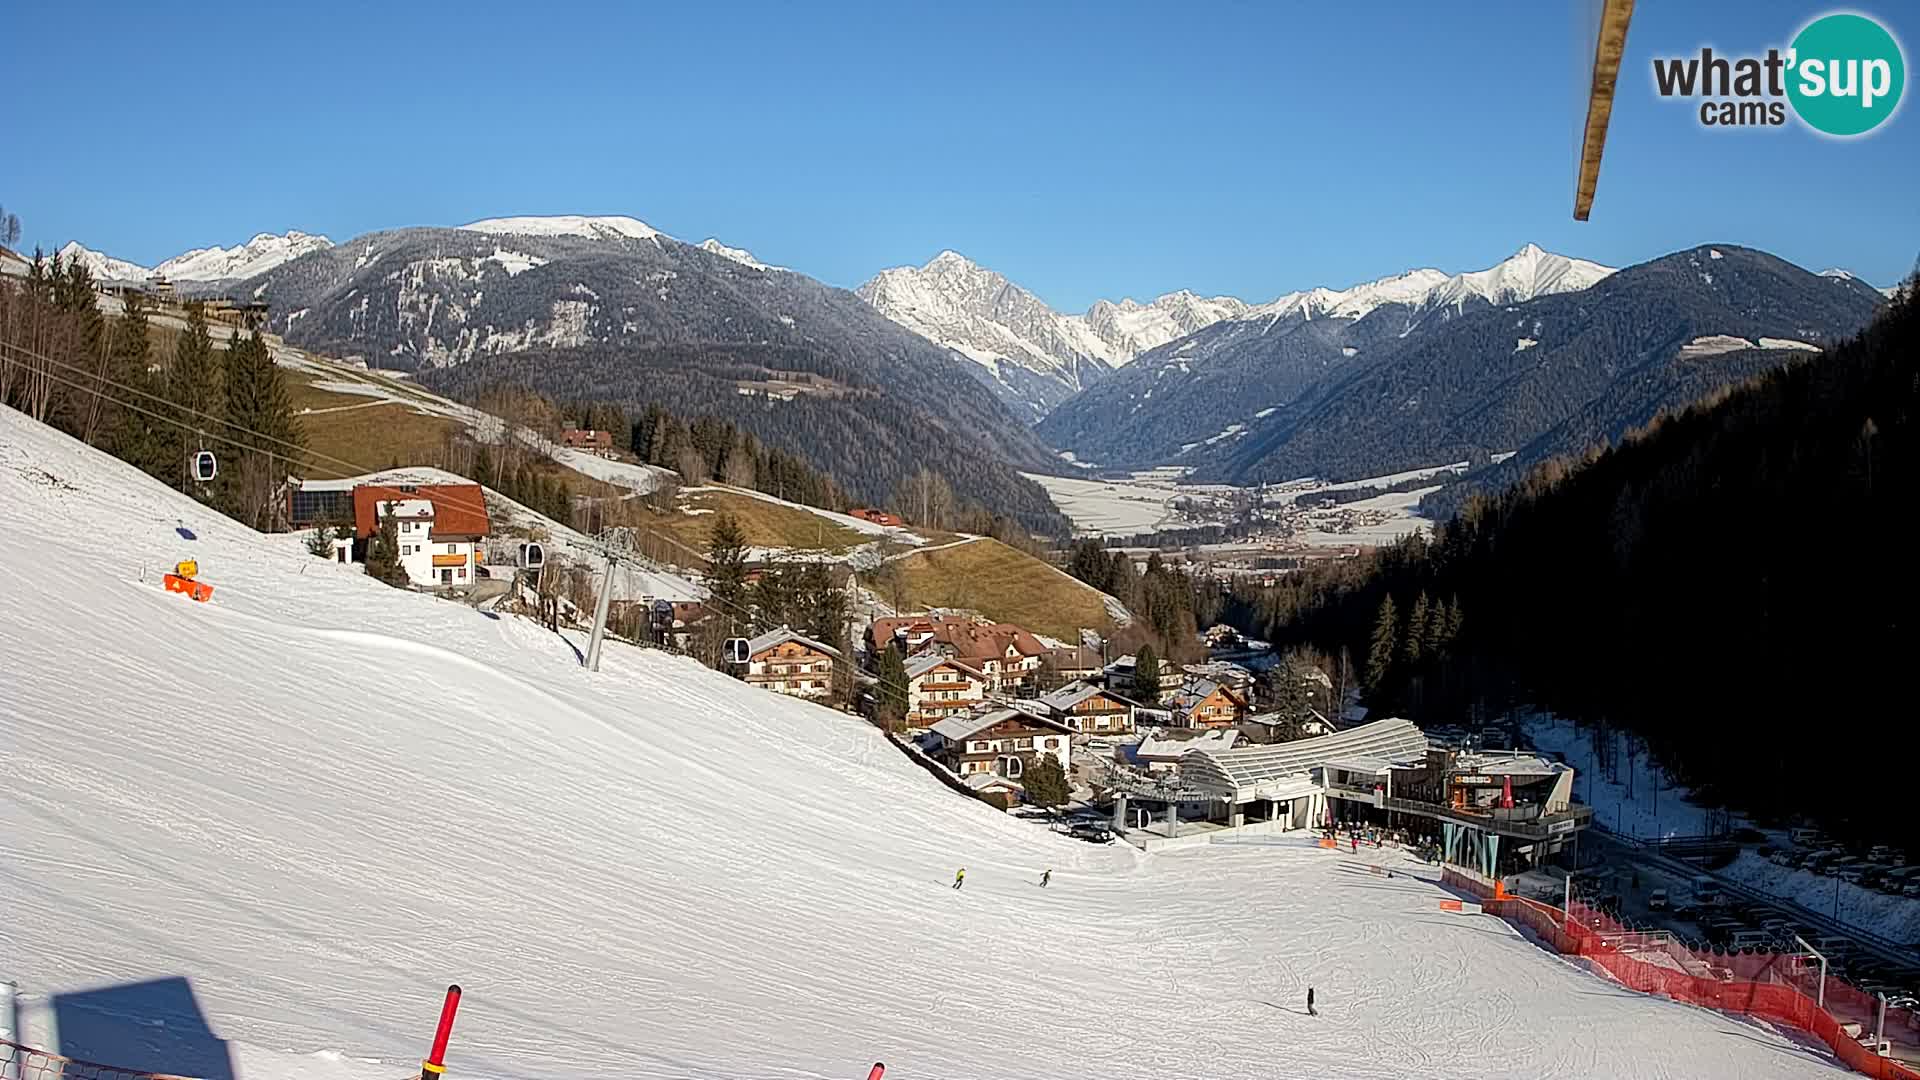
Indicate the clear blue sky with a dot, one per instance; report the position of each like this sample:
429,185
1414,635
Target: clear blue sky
1086,150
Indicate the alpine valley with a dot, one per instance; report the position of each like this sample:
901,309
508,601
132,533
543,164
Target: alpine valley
954,367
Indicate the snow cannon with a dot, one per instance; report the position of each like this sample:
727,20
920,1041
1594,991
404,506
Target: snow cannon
182,580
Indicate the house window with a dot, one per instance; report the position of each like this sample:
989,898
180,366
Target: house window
453,549
463,573
406,549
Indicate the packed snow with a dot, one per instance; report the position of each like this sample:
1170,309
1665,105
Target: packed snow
1787,343
318,800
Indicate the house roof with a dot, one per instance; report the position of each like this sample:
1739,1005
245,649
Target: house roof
965,726
458,509
981,781
1249,765
773,638
969,639
1171,746
925,662
1074,693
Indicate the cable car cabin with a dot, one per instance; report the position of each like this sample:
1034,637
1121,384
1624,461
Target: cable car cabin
532,556
205,468
736,650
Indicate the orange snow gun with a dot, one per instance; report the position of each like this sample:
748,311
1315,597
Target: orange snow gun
182,580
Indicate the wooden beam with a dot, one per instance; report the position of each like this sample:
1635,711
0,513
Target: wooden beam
1609,46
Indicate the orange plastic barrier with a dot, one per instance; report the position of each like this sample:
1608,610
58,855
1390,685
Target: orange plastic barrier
1328,844
1755,984
199,590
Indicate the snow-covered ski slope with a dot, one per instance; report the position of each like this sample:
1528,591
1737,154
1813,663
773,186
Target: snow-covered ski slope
319,800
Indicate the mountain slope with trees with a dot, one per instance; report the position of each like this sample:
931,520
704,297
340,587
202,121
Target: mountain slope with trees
1726,585
619,313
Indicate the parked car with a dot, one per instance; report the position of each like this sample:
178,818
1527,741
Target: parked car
1095,832
1657,900
1804,837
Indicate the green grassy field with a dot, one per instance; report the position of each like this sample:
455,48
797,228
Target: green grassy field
999,582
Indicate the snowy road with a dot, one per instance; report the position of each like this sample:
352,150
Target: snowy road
317,801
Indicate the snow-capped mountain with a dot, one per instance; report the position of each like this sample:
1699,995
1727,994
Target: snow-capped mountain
739,255
102,266
592,228
204,266
1540,352
1840,274
257,256
1031,355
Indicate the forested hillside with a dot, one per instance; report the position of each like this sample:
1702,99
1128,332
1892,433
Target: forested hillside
1730,584
868,440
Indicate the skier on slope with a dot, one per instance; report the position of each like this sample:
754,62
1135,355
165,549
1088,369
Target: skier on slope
1046,876
959,877
1310,1011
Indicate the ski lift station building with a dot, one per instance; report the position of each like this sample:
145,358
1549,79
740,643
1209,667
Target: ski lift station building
1488,810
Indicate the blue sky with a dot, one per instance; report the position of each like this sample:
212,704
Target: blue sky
1086,150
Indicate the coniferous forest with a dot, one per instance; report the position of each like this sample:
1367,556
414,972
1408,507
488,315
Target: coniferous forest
1732,584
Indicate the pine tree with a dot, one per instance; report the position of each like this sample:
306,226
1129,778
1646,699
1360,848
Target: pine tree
134,435
383,552
1046,782
263,431
727,566
320,543
1146,676
1415,640
890,696
1382,647
193,385
1435,640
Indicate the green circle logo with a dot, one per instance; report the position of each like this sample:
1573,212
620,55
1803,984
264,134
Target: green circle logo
1846,76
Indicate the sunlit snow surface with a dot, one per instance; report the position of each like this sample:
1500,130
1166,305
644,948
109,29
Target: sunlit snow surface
320,800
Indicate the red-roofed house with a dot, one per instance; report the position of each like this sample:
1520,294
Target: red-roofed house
440,527
599,442
1006,654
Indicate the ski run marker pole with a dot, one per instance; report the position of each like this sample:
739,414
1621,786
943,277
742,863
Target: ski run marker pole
435,1065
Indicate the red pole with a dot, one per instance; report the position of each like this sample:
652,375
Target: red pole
879,1070
435,1065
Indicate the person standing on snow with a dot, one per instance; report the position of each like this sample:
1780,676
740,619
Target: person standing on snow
1046,876
959,877
1310,1011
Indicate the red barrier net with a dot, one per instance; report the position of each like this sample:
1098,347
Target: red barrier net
1777,987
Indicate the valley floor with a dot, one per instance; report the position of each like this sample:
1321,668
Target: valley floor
256,837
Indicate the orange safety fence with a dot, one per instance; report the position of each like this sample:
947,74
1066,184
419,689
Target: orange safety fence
1773,986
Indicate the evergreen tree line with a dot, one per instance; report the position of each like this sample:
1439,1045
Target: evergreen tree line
1725,585
710,448
149,398
1167,603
